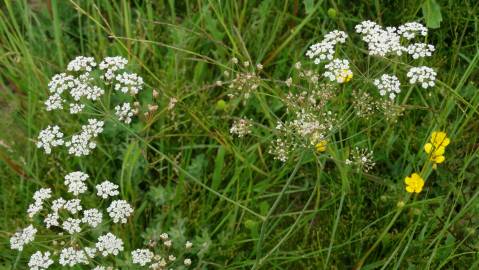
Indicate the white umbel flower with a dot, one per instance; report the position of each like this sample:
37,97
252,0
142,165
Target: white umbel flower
54,102
39,197
411,29
42,194
109,244
119,211
367,28
82,63
418,50
81,144
107,189
324,50
338,70
381,42
58,204
128,83
72,225
84,89
76,108
425,76
187,262
388,85
23,237
61,83
50,137
92,217
111,65
124,112
71,257
40,261
142,256
34,208
73,206
51,220
75,181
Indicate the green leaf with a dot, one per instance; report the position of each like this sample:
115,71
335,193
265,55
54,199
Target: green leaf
432,13
308,6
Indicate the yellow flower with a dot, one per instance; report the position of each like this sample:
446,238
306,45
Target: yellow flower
345,76
440,139
414,183
437,147
321,146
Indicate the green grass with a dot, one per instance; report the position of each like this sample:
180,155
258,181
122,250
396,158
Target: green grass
187,175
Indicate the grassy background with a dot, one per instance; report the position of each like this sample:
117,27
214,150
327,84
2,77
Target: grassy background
186,174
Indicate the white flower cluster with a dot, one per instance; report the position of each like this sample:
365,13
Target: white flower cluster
23,237
124,112
40,261
324,50
92,217
128,83
39,197
164,259
109,244
381,42
388,85
84,89
110,65
410,29
107,189
81,144
75,181
119,211
73,206
50,137
142,256
70,223
78,85
418,50
76,108
82,63
423,75
241,127
338,70
71,257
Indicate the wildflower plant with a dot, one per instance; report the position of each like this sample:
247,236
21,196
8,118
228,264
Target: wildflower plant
81,235
88,87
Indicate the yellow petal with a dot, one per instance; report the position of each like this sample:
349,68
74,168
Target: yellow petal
321,146
409,189
439,151
439,138
428,148
418,189
439,159
408,180
416,177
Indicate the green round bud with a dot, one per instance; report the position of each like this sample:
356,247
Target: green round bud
221,105
332,13
400,204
